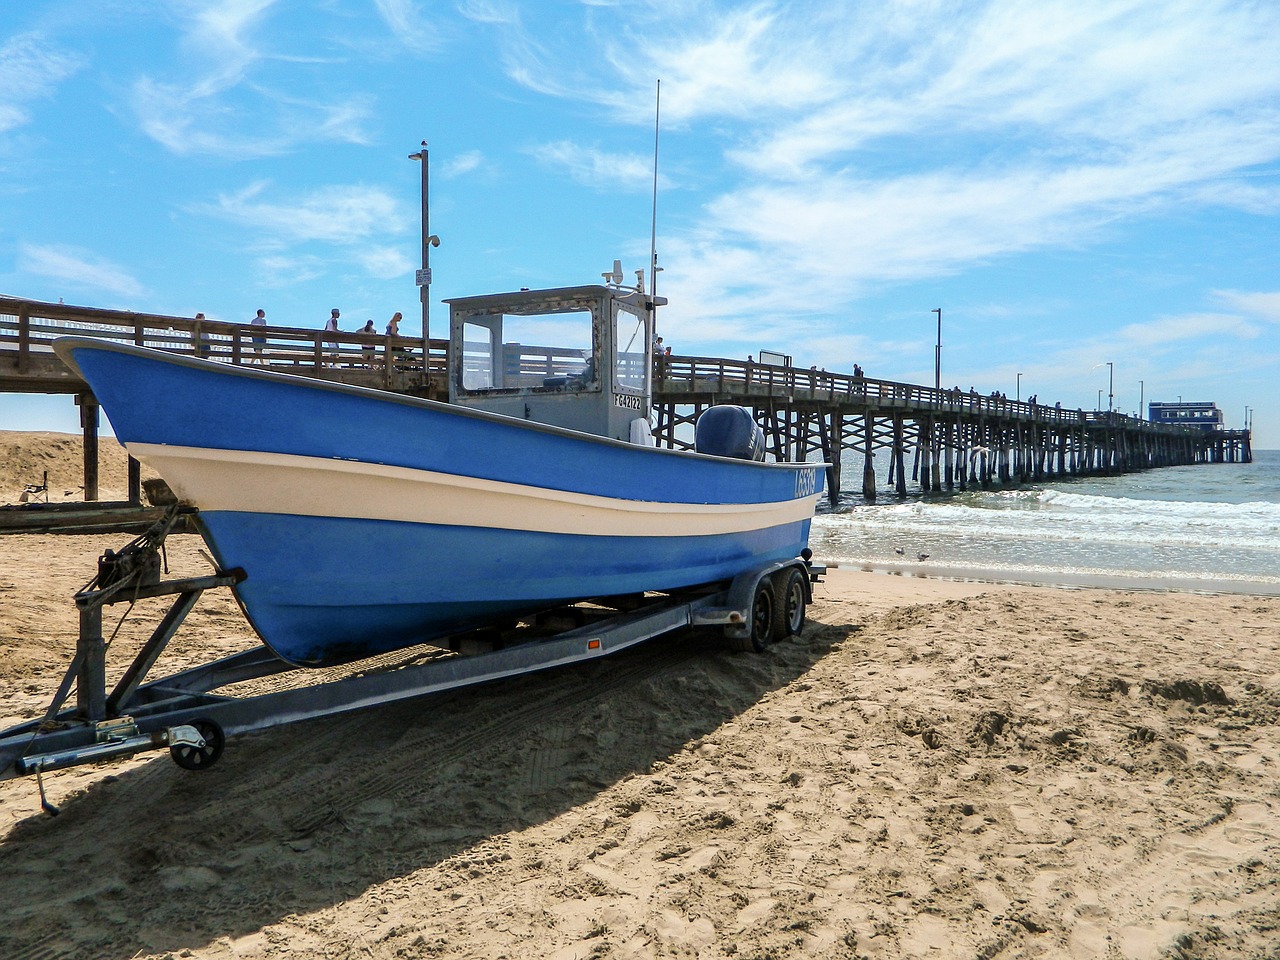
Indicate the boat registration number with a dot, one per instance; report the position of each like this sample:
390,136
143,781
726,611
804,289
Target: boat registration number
806,483
628,402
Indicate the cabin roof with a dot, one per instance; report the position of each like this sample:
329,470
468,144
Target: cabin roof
520,297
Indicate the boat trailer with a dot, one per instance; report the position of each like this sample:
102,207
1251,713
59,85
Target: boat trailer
184,713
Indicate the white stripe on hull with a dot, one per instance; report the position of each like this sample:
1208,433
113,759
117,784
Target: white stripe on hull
255,482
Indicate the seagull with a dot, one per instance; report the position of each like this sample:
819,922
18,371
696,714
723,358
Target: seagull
922,556
899,551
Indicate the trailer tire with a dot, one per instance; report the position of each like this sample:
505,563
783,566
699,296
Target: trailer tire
789,603
761,626
201,758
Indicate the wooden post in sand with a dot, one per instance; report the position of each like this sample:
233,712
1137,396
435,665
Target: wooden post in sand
135,481
91,651
88,404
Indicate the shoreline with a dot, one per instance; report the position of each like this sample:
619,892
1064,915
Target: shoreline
1141,583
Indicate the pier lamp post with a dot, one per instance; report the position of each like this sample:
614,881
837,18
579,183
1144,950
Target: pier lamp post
1018,389
1142,399
1111,385
1099,406
937,353
423,277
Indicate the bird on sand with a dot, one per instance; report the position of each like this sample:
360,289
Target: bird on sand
922,556
899,551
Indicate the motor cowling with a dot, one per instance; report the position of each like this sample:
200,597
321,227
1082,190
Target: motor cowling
727,430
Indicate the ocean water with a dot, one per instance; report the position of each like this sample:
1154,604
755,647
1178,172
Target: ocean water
1213,527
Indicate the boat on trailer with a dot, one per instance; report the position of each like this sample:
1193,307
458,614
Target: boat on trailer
367,521
354,523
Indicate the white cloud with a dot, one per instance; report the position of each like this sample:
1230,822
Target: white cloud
216,106
30,69
462,164
77,268
405,19
291,271
384,263
341,215
495,12
597,168
1263,305
1165,331
873,144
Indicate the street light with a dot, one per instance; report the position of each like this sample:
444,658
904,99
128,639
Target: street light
1142,397
1018,391
423,277
1099,406
1111,385
937,354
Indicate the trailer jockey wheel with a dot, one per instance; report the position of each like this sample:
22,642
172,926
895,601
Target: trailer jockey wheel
200,758
790,603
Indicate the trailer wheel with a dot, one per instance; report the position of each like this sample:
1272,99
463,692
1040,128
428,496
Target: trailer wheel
200,758
789,609
762,618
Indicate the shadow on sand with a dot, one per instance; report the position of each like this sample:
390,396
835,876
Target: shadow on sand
300,818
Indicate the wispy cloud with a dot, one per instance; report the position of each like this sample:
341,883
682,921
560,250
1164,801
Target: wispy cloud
870,145
1165,331
218,107
338,214
597,168
408,25
30,69
351,220
78,269
1262,305
384,263
462,164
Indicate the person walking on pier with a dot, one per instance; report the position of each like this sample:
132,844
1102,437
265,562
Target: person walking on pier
393,330
259,321
331,326
203,348
368,347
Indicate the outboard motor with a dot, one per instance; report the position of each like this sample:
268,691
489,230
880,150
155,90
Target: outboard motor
729,431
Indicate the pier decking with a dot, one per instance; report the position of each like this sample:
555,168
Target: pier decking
948,439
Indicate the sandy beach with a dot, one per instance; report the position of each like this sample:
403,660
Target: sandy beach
931,769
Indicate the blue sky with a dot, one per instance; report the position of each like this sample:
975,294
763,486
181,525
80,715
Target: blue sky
1073,183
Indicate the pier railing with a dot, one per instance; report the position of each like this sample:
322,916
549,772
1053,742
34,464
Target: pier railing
693,376
28,329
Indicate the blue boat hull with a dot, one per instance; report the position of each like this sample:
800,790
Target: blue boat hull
367,522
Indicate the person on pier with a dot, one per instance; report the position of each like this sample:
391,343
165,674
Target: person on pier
258,321
331,326
368,347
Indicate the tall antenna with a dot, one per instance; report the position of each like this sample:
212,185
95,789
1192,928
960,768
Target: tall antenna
653,234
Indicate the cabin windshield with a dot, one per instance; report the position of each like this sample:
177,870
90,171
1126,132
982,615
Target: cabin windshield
545,351
631,361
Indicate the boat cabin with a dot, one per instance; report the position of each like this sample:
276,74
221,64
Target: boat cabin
574,357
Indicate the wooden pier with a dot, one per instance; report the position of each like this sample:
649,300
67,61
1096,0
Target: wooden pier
948,439
936,440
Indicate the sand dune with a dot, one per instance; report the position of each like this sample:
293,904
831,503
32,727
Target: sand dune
25,456
932,769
